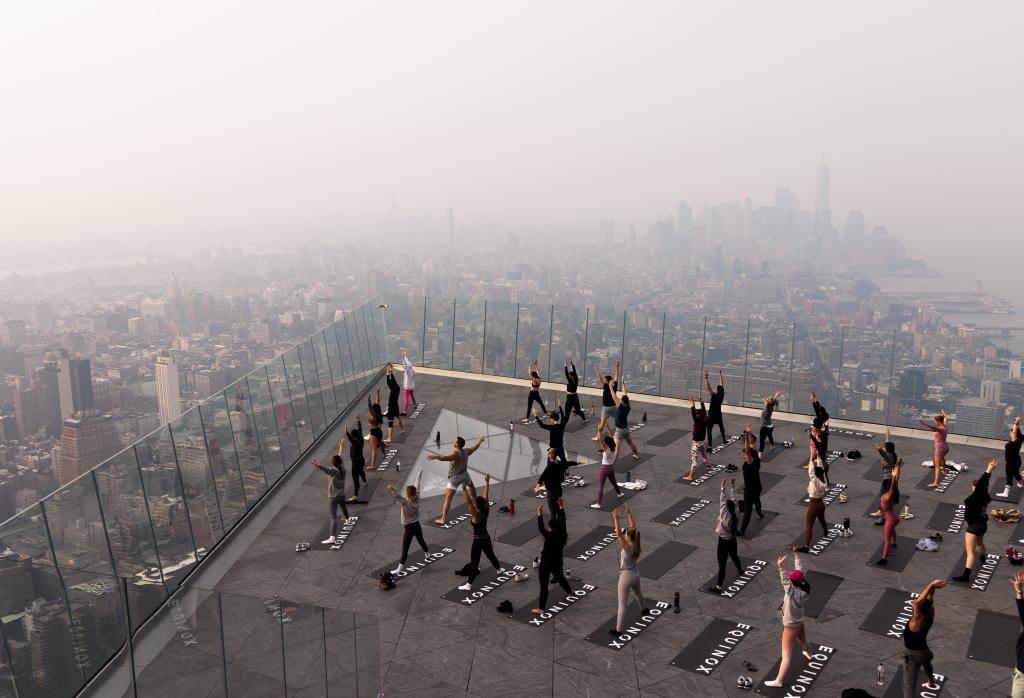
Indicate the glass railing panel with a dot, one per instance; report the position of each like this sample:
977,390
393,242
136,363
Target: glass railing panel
768,363
296,392
287,415
375,324
684,347
337,365
402,323
865,375
358,328
568,341
220,445
37,627
247,445
326,381
533,342
500,346
305,649
310,378
357,349
348,360
266,419
642,355
817,356
197,479
469,335
353,665
254,647
168,508
372,353
725,350
603,344
132,540
439,342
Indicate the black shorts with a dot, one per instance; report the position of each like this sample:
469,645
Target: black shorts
979,528
377,433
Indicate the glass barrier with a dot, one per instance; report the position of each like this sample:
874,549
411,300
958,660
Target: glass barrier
439,337
500,339
469,335
533,343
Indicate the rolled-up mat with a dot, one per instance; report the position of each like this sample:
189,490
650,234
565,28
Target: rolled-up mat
891,613
898,556
522,533
666,437
802,673
992,639
711,646
663,558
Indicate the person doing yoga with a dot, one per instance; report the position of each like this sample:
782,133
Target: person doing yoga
609,385
355,455
479,508
767,426
751,480
458,473
940,427
725,527
717,397
393,414
410,521
795,592
609,454
335,493
916,655
699,438
817,486
1011,456
551,555
534,395
889,506
976,518
572,399
629,572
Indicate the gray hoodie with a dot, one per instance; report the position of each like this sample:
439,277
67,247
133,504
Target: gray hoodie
794,598
722,527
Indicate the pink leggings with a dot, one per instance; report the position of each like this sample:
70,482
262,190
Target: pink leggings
891,519
607,471
409,394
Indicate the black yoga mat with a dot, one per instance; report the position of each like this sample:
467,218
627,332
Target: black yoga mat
1017,534
1014,497
947,480
415,562
666,437
875,501
626,460
524,532
823,586
799,674
576,424
757,524
456,515
945,518
598,537
570,479
558,603
634,625
898,556
985,571
852,434
890,614
366,490
873,474
770,454
924,689
715,642
486,583
611,500
691,505
992,638
344,531
731,577
768,481
654,564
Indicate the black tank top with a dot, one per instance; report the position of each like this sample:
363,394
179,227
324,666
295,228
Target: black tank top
918,640
480,529
606,396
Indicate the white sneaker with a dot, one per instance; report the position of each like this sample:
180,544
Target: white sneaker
622,494
595,505
1005,492
465,587
399,569
500,570
329,541
426,557
350,521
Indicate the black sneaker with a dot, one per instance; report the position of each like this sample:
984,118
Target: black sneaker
803,549
882,561
613,631
715,590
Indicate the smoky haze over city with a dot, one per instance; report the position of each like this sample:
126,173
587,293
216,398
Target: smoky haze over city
219,222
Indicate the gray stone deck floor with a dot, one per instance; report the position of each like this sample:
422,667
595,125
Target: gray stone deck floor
433,647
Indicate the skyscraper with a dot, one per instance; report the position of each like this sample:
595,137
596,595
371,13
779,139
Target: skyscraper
81,384
168,393
822,211
86,441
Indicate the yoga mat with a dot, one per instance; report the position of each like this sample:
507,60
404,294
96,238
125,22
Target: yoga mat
948,478
823,586
612,500
626,460
635,624
366,491
523,533
730,587
711,647
415,562
655,564
666,437
487,582
456,515
985,571
1017,534
898,556
344,531
947,517
800,675
768,481
770,454
993,637
1014,497
853,434
876,500
570,479
576,424
820,542
890,615
687,505
591,543
557,605
873,474
757,524
924,689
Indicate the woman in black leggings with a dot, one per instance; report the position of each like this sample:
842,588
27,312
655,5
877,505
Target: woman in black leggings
480,508
767,426
976,518
715,408
410,521
725,527
551,555
572,383
534,391
751,480
1011,452
355,455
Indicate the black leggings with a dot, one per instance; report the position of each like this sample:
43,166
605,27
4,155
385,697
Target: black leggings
337,501
572,404
766,434
534,397
726,550
1012,471
713,420
357,475
412,530
550,570
553,498
481,545
751,501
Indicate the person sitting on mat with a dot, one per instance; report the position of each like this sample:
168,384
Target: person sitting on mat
976,519
916,654
629,573
796,590
551,554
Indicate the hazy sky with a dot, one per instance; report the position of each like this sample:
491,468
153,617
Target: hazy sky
208,119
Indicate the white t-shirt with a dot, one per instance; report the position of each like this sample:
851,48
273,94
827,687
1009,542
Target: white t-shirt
409,381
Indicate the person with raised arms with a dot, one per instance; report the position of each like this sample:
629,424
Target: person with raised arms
479,508
916,655
551,567
458,473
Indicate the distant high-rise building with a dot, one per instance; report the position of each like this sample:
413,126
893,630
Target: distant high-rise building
822,210
85,442
12,332
606,233
785,214
168,391
855,231
991,391
81,384
980,418
48,379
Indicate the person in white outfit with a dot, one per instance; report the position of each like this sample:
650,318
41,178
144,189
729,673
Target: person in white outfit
408,383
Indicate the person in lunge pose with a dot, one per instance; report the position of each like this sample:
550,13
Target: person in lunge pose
608,387
551,555
393,413
1011,454
552,477
889,505
479,508
715,407
556,431
725,527
572,384
916,655
751,480
335,493
629,573
408,383
458,473
622,421
817,486
609,454
1018,669
534,392
796,590
887,455
976,519
376,419
699,440
355,455
767,426
410,521
940,427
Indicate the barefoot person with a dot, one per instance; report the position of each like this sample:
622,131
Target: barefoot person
552,477
556,431
752,487
410,520
725,527
335,493
608,387
717,397
767,426
393,414
889,506
551,555
458,473
572,399
916,655
609,454
408,383
976,518
940,426
355,456
817,486
796,590
699,438
376,419
887,455
622,421
479,508
629,573
1011,455
534,392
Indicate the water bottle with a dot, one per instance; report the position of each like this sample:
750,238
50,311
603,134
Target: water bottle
676,602
643,420
511,426
628,476
437,438
880,677
512,506
398,466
